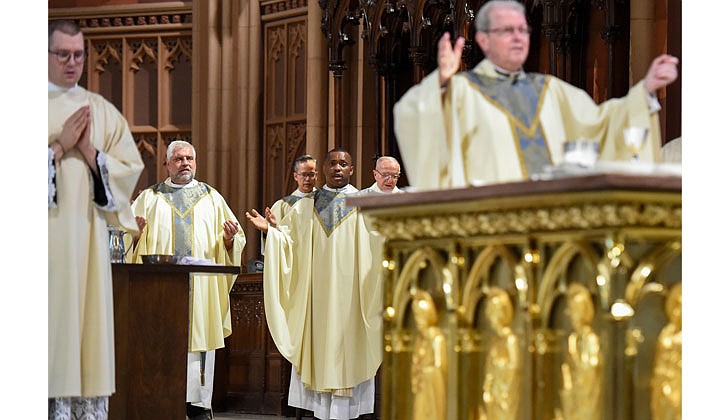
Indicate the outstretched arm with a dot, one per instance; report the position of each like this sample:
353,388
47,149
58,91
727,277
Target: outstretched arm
257,220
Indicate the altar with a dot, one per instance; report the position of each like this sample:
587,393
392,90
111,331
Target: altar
549,299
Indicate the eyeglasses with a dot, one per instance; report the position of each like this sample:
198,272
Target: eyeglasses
510,30
388,176
64,56
306,175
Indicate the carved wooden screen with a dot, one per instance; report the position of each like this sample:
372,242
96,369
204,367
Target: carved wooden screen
140,59
149,78
284,115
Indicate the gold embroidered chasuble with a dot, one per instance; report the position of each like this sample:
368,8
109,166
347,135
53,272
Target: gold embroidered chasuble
323,294
80,301
486,127
189,221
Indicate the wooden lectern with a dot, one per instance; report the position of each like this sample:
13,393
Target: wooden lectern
151,315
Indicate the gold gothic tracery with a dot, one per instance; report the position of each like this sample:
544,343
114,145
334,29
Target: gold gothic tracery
537,299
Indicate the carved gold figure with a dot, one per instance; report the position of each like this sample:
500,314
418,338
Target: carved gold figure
666,384
582,369
429,361
501,386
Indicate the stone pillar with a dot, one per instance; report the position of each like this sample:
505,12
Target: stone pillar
642,36
317,86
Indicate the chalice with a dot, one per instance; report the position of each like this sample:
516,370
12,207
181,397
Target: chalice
634,139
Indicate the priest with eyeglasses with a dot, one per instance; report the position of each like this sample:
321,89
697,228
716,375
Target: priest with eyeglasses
497,123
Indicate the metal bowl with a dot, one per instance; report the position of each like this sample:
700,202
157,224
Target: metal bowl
159,259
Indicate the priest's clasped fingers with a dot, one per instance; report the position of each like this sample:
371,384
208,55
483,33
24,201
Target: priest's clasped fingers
230,228
448,57
84,139
74,127
257,220
662,72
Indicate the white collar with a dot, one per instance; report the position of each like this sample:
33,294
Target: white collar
52,87
299,193
506,73
375,188
347,189
190,184
487,68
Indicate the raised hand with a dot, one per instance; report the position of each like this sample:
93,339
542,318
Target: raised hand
141,223
270,217
448,57
662,72
257,220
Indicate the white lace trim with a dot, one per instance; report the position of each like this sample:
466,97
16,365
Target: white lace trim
101,161
78,408
653,104
51,179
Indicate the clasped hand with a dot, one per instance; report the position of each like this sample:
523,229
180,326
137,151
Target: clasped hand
75,128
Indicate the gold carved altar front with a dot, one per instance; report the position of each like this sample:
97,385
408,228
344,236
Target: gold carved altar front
545,300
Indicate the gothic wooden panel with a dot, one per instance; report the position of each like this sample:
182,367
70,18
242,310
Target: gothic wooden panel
176,105
143,83
297,68
277,379
105,59
284,118
257,376
124,46
147,145
148,77
246,361
275,63
274,156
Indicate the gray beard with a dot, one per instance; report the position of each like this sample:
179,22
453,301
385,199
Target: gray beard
184,179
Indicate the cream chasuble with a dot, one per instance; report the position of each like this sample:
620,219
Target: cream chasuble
323,293
281,207
80,302
189,221
489,128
